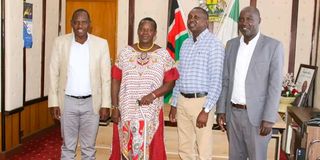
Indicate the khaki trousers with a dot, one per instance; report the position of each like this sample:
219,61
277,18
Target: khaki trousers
194,143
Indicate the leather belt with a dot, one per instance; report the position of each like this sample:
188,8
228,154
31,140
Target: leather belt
194,95
80,97
239,106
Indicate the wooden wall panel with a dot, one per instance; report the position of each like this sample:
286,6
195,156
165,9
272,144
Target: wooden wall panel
25,121
12,131
34,118
43,115
15,130
8,132
49,120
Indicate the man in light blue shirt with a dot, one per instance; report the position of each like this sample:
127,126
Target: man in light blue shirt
198,88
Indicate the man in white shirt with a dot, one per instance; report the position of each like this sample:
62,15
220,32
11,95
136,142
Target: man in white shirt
251,89
79,90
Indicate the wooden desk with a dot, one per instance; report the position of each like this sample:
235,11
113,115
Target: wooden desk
306,133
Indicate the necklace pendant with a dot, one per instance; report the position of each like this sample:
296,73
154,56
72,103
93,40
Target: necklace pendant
143,58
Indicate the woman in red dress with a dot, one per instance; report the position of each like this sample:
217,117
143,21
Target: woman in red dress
142,74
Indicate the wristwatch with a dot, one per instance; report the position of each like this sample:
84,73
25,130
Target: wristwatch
206,110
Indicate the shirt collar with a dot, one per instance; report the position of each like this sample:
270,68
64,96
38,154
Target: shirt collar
252,41
202,34
86,42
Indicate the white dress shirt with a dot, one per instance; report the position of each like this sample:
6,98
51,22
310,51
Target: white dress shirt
78,82
245,53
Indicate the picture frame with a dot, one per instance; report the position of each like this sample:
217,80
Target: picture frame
304,83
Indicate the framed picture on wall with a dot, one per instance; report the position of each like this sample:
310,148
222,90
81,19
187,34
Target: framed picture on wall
304,83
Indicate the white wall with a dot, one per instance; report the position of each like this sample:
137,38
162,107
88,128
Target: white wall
14,50
51,33
157,10
304,33
13,59
122,34
276,22
33,55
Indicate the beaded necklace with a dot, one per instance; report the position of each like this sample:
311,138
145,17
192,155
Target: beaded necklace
144,49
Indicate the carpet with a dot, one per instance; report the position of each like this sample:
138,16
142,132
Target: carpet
45,146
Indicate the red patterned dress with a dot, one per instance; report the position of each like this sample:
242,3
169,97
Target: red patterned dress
141,74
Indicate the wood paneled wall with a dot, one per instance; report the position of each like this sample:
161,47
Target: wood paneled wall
12,131
33,119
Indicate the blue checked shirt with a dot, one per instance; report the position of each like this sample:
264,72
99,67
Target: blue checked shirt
200,68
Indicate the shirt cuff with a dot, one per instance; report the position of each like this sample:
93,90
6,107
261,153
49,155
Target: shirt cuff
207,110
174,102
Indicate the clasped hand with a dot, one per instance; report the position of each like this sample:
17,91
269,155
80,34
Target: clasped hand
146,100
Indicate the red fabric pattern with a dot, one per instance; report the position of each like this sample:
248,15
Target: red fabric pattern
115,154
157,147
171,75
116,73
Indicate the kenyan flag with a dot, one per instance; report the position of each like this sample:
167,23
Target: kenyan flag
177,33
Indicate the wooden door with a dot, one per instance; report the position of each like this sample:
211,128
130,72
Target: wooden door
103,14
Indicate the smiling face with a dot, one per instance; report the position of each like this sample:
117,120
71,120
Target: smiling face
80,24
197,21
249,22
146,32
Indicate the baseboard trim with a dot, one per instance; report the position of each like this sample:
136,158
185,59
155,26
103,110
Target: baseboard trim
14,111
34,101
